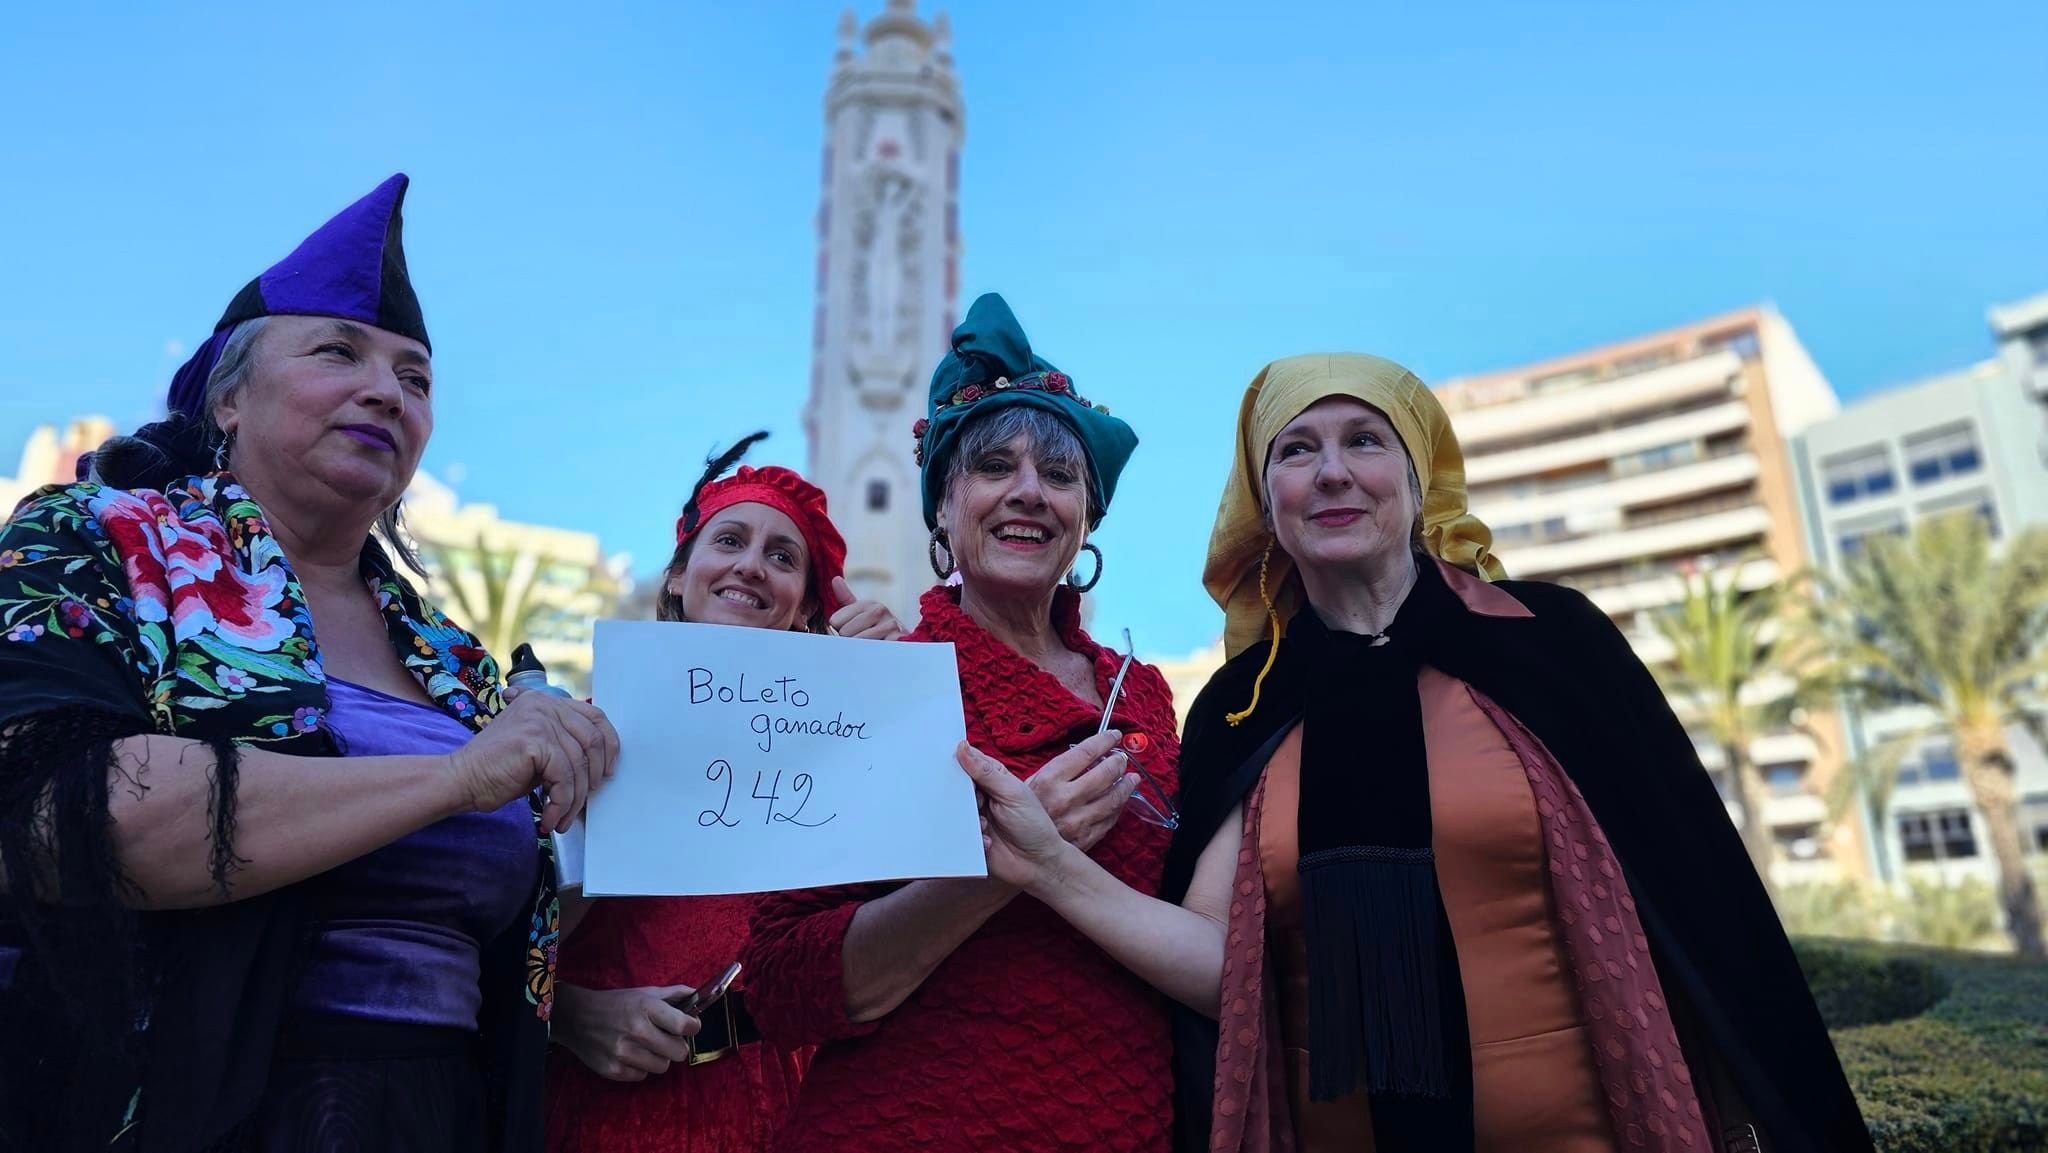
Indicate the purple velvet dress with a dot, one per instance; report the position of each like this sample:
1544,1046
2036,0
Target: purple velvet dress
398,933
379,1052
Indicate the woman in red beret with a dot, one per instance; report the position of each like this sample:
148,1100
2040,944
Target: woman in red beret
757,550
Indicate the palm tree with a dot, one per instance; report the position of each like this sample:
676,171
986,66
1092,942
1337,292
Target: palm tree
1727,646
503,596
1936,620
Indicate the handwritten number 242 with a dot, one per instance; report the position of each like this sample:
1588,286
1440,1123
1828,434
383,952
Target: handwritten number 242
800,791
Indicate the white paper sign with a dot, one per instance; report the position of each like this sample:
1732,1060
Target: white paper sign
569,858
753,760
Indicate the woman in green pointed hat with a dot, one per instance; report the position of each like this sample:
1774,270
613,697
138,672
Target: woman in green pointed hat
983,1021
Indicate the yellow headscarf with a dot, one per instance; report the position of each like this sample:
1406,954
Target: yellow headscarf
1241,545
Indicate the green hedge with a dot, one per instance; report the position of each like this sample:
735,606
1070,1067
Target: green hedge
1861,985
1969,1075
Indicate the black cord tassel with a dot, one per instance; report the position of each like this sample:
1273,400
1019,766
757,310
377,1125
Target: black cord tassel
1371,919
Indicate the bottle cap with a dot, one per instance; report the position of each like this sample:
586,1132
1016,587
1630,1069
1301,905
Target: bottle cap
523,661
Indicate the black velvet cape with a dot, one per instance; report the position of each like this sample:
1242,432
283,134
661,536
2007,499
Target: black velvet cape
1569,675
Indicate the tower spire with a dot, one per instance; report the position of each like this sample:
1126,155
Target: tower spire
888,285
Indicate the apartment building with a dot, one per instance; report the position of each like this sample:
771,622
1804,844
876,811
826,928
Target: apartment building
1620,469
1963,442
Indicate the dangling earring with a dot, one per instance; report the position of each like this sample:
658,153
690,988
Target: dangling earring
1074,578
939,542
221,450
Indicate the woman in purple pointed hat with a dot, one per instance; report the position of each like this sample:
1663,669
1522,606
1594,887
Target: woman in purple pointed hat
213,934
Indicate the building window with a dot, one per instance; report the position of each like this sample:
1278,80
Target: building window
878,496
1852,476
1944,452
1742,342
1785,780
1657,459
2034,821
1561,381
1856,538
1939,763
1936,762
1977,504
1645,362
1942,835
1798,842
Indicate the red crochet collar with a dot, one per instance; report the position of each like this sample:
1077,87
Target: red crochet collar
1038,708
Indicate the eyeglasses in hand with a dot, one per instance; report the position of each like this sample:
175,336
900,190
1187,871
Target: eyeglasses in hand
1149,801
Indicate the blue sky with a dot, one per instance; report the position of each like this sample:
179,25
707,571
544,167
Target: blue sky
610,224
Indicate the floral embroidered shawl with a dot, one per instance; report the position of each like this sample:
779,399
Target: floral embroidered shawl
176,612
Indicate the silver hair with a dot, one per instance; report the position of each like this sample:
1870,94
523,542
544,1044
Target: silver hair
1052,440
231,373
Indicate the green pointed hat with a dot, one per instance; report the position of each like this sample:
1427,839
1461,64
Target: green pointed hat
992,366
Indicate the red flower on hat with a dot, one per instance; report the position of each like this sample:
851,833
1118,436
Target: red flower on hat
1057,382
920,428
971,393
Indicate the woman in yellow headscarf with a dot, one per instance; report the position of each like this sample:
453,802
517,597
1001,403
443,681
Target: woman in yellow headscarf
1449,875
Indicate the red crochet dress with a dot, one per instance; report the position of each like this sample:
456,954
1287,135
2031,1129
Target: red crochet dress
1028,1036
731,1105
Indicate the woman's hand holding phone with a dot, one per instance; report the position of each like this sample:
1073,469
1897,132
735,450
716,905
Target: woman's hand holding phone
625,1034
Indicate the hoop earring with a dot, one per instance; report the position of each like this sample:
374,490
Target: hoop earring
1073,578
939,542
221,450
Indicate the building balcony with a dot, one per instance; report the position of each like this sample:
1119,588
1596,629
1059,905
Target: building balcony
1655,589
1775,749
1603,400
1701,534
1816,872
1669,484
1538,459
1798,809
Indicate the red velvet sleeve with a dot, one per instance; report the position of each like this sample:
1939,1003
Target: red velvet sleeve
796,972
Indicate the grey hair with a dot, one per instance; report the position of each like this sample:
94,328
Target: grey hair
231,373
1053,442
1415,539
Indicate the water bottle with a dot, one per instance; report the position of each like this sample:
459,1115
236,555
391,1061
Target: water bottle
529,675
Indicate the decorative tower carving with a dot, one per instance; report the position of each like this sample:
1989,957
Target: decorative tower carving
888,287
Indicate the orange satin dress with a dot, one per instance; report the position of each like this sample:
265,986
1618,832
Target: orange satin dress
1535,1086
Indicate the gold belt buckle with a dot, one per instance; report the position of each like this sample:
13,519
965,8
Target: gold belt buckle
707,1056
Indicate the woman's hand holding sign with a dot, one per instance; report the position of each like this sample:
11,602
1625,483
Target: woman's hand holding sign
866,620
566,748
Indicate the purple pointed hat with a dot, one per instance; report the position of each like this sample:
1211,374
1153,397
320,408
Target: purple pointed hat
353,268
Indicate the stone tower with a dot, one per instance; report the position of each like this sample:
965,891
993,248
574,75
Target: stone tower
888,287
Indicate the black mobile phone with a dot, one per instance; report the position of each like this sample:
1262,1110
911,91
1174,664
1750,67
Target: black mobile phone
708,995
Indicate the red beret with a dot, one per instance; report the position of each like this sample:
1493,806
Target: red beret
791,495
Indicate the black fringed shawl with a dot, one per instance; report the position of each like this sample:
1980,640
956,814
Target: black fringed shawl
1567,674
154,1031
